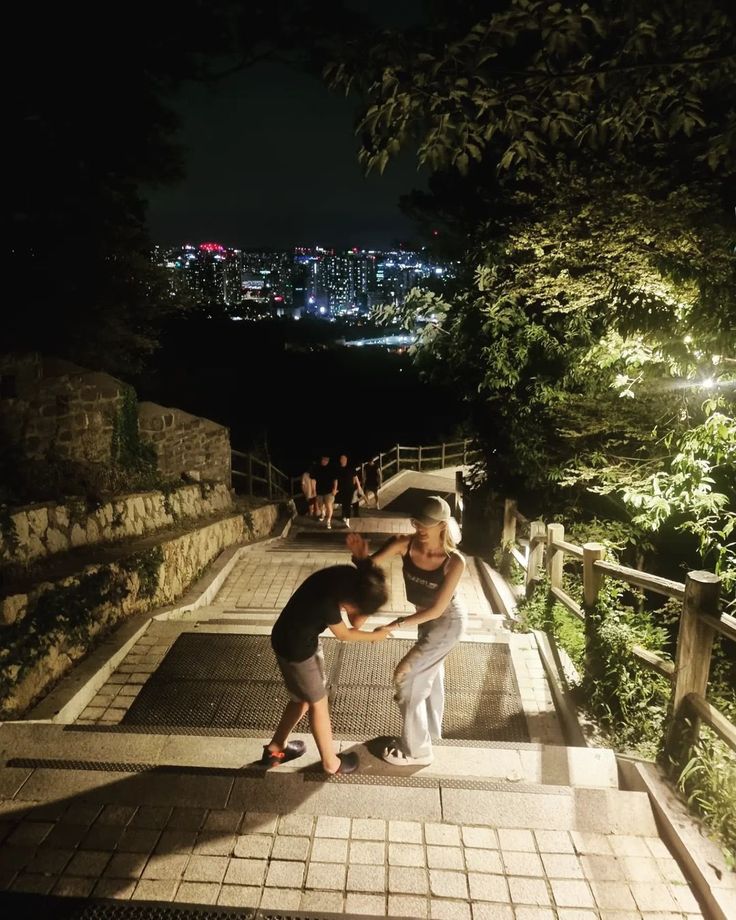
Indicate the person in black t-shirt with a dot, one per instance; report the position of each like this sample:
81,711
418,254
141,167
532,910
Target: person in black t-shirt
325,486
316,605
348,484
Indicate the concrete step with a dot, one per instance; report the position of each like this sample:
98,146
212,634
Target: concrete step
525,786
514,764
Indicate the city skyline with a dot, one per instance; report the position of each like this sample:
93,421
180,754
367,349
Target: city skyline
322,281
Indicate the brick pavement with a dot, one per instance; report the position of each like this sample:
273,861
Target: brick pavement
326,863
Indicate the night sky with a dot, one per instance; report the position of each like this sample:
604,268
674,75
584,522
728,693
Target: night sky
271,161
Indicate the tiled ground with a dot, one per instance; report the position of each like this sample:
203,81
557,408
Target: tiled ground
290,862
267,581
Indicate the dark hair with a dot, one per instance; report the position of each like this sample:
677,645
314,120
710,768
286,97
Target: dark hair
365,587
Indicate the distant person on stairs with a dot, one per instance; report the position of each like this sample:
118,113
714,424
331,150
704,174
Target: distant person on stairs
432,570
325,484
372,482
349,489
316,605
308,491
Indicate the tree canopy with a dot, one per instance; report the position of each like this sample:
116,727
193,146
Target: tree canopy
582,160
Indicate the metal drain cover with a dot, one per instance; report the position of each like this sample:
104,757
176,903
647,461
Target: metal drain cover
211,681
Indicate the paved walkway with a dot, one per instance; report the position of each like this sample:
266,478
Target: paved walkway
490,831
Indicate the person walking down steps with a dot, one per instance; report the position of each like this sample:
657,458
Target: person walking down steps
349,489
432,569
318,604
325,487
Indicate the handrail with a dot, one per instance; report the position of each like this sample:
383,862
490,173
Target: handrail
279,485
568,548
643,579
699,620
655,662
564,598
711,716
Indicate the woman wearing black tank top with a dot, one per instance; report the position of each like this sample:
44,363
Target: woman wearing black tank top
432,569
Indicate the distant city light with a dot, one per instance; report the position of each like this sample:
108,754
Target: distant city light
321,281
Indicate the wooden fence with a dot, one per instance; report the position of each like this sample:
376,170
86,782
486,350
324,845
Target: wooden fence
422,458
261,478
546,547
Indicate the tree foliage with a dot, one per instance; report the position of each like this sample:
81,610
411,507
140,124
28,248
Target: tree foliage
582,167
528,79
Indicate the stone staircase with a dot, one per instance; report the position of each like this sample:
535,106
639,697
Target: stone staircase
114,804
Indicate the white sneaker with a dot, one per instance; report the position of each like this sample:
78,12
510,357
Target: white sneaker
347,522
329,525
321,518
398,758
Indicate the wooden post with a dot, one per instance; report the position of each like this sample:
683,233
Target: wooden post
555,557
592,580
692,658
508,535
419,456
268,475
537,531
398,458
509,521
459,493
250,475
442,465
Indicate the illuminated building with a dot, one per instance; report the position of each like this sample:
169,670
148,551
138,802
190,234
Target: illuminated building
210,272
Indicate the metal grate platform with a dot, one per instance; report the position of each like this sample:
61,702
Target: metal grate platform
22,906
209,681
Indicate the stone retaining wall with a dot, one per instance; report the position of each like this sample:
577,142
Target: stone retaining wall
77,609
185,443
53,410
43,530
53,407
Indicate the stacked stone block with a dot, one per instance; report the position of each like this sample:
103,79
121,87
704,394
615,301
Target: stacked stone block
54,410
185,443
44,530
58,411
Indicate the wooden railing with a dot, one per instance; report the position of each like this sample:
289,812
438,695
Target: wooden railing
261,478
422,458
699,620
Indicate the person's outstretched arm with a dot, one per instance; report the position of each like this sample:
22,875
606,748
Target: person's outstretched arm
348,634
358,546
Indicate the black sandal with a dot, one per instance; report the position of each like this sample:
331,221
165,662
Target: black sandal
292,750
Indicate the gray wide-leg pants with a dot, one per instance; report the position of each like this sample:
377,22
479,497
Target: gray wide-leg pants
419,681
